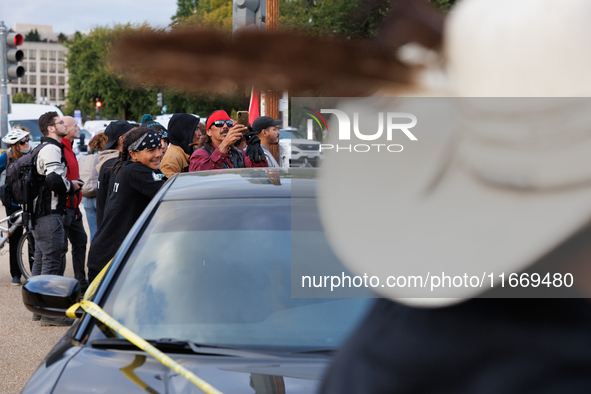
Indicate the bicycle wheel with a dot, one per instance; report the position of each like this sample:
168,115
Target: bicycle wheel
26,253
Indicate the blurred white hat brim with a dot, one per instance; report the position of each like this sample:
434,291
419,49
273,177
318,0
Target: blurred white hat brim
495,193
455,202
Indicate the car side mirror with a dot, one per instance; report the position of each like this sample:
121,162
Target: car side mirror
51,295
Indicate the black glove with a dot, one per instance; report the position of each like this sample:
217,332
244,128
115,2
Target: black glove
254,150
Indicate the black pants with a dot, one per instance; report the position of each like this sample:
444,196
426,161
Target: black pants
13,245
78,238
92,273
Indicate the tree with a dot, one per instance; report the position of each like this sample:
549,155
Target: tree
23,98
62,38
33,36
91,77
207,13
185,8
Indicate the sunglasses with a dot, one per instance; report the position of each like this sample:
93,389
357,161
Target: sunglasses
220,123
26,140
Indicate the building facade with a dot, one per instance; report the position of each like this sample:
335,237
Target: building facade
46,76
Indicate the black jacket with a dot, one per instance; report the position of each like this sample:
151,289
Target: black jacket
181,130
103,191
134,187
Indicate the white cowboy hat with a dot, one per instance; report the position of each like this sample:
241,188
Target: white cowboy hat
492,184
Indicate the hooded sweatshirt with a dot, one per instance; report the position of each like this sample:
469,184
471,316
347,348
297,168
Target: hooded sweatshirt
181,130
107,160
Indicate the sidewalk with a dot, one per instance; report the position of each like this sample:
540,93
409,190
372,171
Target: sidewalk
24,342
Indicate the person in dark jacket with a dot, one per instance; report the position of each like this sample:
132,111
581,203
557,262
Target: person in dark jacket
115,133
181,130
136,182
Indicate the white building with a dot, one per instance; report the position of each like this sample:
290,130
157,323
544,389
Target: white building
46,76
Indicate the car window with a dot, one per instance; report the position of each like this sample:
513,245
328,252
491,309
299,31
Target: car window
218,272
31,124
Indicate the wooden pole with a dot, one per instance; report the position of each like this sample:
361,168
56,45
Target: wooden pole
272,97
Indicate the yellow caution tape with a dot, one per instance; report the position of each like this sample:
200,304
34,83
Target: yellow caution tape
97,312
94,285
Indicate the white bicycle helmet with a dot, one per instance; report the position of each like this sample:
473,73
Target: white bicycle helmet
14,136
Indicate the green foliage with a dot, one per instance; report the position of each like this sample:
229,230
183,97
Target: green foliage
62,38
23,98
92,78
331,17
33,36
207,13
185,8
203,103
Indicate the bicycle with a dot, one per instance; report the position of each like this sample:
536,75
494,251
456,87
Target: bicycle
26,244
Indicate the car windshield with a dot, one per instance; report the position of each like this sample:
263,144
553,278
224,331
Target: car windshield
30,124
218,272
291,134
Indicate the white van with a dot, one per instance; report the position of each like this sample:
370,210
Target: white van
94,126
27,115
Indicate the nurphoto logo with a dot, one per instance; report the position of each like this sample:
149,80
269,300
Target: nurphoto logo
395,122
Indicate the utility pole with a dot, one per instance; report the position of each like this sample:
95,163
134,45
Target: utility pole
272,97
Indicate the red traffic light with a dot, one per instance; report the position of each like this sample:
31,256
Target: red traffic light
14,39
98,104
18,39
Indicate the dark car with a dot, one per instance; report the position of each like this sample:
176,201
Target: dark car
205,275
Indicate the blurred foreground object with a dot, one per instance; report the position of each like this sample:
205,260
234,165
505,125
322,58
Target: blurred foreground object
280,60
490,184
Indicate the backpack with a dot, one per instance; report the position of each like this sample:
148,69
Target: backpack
89,174
22,181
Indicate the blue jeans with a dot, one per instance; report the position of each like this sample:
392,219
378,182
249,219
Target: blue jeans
90,208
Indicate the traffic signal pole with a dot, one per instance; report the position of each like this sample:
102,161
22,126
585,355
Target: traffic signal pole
3,84
9,68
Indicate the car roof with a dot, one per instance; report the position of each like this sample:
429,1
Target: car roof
244,183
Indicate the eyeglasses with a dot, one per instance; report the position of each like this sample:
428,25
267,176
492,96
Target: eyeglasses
60,122
220,123
25,141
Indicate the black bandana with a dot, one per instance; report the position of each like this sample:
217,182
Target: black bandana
147,141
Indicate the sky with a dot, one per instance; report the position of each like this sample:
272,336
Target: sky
68,16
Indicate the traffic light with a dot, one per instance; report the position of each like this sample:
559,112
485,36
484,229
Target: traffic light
248,15
160,100
98,104
14,55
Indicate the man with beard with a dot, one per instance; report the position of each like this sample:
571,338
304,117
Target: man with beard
268,131
50,204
